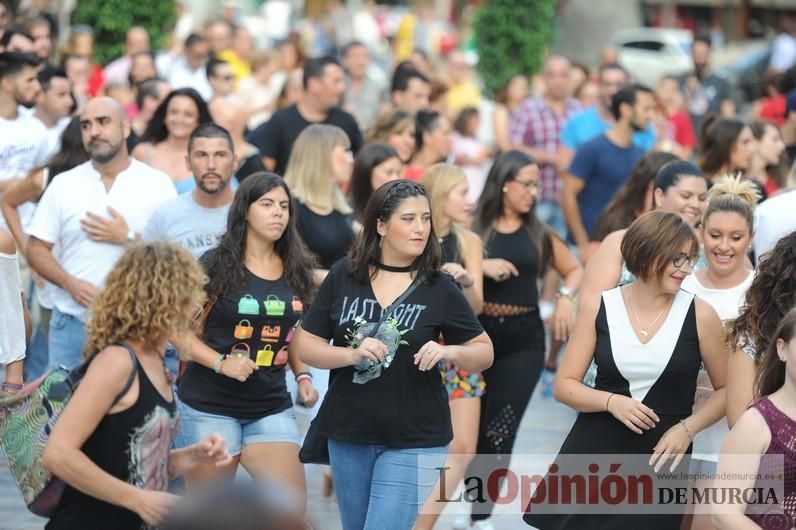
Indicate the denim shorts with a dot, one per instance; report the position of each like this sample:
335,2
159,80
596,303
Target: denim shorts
196,425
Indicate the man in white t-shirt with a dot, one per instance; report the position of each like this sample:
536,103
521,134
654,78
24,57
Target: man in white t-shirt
54,106
23,142
91,212
774,219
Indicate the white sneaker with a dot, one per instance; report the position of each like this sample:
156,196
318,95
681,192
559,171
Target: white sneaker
484,524
462,522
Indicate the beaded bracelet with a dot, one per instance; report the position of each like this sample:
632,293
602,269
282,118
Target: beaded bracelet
219,362
687,430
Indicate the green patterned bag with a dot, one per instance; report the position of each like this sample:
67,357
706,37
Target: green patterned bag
26,421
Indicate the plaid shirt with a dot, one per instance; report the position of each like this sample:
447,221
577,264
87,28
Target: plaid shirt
536,125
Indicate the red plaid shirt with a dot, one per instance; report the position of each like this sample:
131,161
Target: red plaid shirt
534,124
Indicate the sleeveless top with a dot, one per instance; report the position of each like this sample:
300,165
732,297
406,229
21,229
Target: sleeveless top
450,249
661,373
518,249
132,445
328,236
783,442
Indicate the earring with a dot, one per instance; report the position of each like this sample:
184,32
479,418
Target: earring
381,239
505,189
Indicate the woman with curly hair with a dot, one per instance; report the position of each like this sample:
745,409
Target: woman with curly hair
771,295
260,277
111,444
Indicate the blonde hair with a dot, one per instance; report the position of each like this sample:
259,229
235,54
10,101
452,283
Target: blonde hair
394,122
439,180
150,293
309,169
732,193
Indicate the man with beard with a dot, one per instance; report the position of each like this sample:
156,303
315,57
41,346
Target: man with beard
705,92
91,212
601,166
197,219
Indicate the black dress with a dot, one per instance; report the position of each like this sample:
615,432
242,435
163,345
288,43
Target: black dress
661,374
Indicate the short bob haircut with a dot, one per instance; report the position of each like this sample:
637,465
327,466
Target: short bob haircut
653,241
367,248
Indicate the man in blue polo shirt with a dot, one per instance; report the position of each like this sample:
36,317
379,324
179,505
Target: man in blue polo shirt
601,166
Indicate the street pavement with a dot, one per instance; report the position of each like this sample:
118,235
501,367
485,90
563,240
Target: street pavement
542,430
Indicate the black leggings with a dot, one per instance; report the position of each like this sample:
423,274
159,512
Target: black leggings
519,344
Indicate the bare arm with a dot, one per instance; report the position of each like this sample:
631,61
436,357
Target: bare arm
193,349
269,163
40,257
22,191
569,269
741,370
604,268
500,120
569,203
474,355
316,351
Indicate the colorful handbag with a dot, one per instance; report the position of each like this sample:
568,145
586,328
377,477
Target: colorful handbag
243,330
296,305
248,305
271,333
265,357
281,356
26,421
274,307
241,349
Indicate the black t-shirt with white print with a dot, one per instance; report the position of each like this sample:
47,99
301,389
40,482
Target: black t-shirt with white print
393,403
257,321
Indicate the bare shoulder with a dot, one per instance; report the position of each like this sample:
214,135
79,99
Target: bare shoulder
7,245
614,239
750,433
470,236
590,305
112,365
705,313
140,150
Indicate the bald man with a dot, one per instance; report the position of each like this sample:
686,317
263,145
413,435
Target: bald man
136,41
92,212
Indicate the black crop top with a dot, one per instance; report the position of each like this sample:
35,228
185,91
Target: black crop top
518,249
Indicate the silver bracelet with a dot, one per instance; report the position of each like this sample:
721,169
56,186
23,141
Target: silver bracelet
687,430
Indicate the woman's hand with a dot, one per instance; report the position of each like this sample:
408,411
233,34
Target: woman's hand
239,368
673,444
153,506
563,318
459,273
370,349
632,413
307,393
429,355
211,450
499,269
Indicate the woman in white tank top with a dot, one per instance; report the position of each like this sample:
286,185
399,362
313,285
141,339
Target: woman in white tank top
726,236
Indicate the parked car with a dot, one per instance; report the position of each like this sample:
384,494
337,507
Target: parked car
744,65
651,53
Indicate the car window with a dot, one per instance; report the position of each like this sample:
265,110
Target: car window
646,45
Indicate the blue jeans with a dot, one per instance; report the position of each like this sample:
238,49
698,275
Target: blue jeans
382,484
67,339
550,213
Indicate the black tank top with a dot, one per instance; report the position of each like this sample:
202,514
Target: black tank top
450,249
328,236
518,249
132,445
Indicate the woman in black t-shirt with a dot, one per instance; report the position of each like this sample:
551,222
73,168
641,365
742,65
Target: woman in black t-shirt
386,406
260,275
519,250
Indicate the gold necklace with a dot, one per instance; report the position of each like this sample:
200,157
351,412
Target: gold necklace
643,329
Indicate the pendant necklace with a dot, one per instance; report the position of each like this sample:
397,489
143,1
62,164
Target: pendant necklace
643,329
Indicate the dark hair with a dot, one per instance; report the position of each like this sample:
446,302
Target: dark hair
361,188
628,203
777,172
669,175
771,295
71,153
224,264
490,205
148,88
771,372
381,206
192,39
46,75
502,95
404,73
12,63
463,119
213,62
653,241
156,130
425,122
627,95
316,68
717,141
11,32
704,39
611,66
210,130
350,46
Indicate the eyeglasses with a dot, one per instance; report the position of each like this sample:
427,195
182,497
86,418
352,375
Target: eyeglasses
684,259
529,185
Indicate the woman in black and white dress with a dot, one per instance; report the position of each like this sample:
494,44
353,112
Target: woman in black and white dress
647,339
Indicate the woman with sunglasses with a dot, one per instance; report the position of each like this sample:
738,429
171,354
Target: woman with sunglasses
648,339
386,412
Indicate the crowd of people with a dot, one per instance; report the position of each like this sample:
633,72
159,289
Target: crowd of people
241,231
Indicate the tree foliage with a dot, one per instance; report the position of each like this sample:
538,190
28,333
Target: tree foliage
512,36
111,19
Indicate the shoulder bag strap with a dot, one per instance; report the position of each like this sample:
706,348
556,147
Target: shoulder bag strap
133,372
398,301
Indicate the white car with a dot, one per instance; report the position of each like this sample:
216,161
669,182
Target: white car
651,53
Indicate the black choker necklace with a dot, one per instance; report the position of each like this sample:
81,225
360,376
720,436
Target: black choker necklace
392,268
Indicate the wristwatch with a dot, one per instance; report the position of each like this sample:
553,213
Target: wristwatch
131,236
565,292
